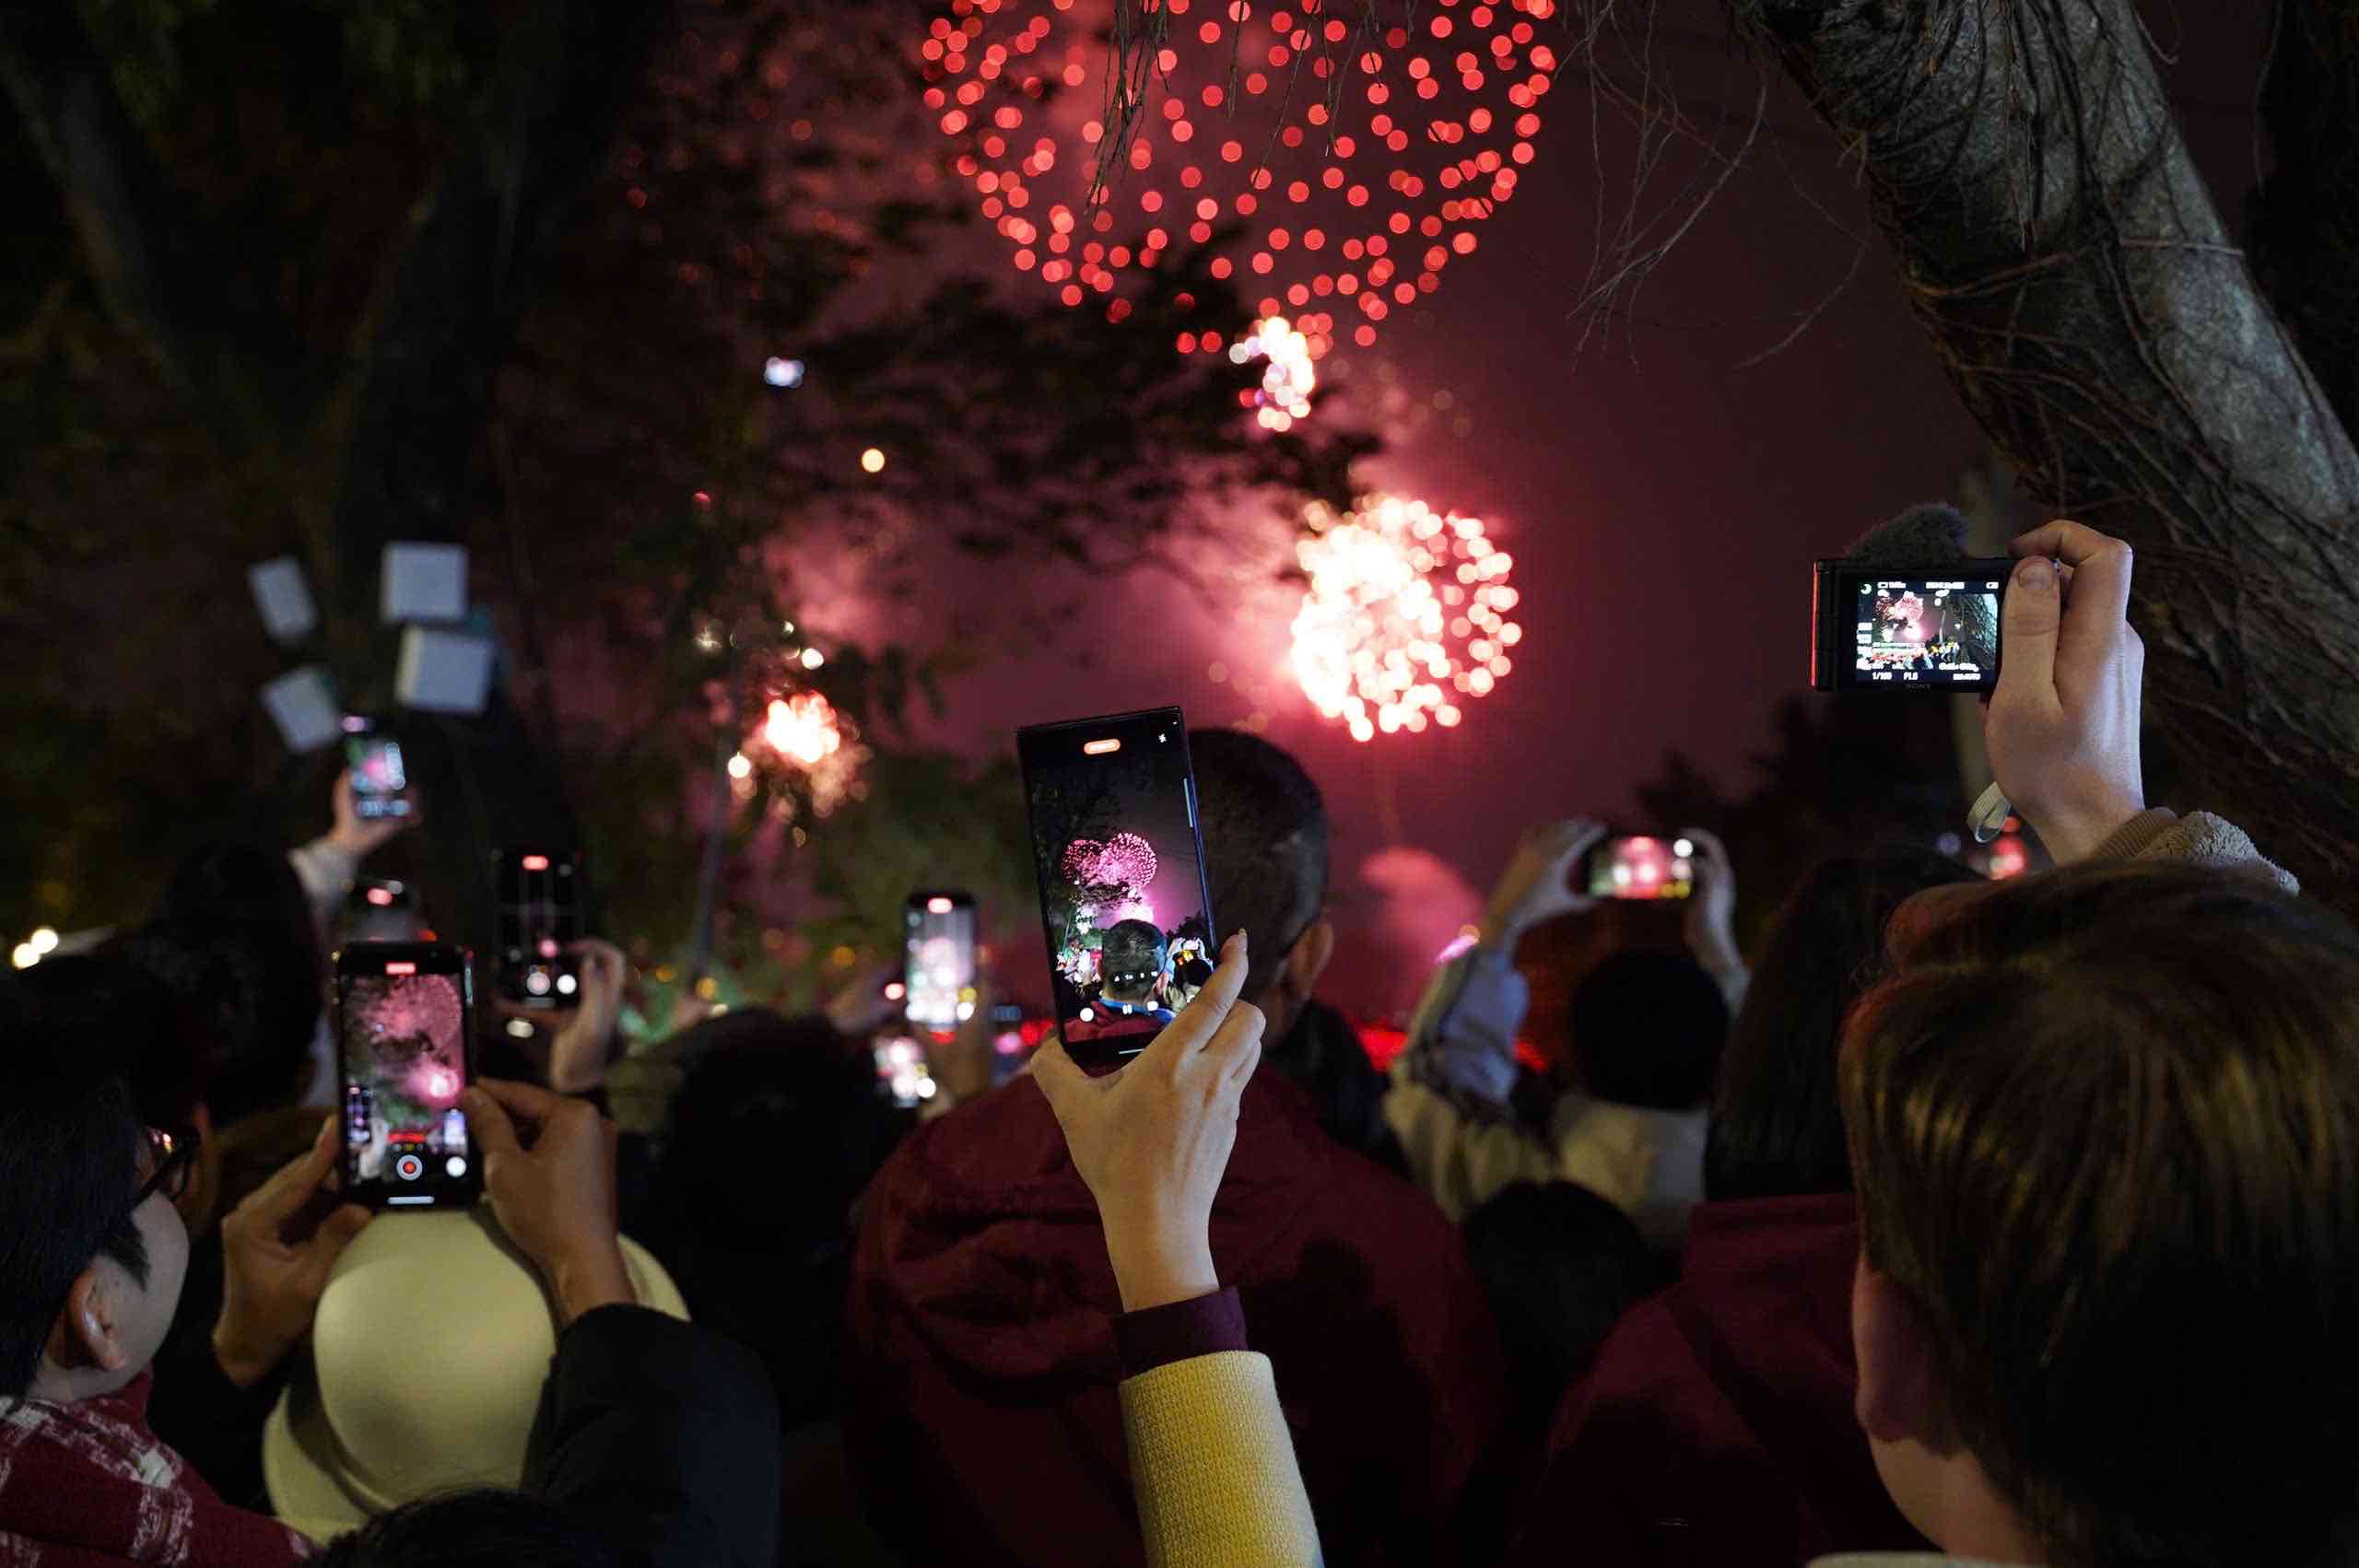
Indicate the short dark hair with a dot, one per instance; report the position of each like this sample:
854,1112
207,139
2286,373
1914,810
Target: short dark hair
481,1528
1647,1029
69,1152
1560,1264
238,880
244,1006
1132,948
1777,1128
1265,844
774,1132
2105,1125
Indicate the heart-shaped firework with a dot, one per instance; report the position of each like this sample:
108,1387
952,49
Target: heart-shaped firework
1337,155
1125,862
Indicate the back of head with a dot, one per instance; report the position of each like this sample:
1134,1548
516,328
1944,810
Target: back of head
773,1134
236,881
482,1528
1777,1130
244,1006
1560,1264
2105,1126
69,1143
1647,1029
1265,844
1132,956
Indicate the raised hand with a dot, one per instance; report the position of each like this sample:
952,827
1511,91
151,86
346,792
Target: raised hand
276,1257
548,1168
1537,884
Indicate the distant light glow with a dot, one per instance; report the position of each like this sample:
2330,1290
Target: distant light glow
24,956
741,765
1399,619
782,372
520,1029
812,659
44,941
873,460
803,729
895,991
1683,847
1289,378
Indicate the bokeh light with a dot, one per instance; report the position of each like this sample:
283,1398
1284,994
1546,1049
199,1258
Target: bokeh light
872,461
1333,164
807,733
1404,618
1287,380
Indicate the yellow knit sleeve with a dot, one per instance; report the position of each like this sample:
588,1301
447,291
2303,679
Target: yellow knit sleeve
1214,1468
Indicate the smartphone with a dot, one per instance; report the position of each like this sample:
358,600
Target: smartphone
1639,866
405,1032
938,959
540,919
1124,898
902,1071
377,781
1907,628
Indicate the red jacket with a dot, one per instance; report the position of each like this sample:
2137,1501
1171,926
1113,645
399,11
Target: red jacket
1716,1426
980,1369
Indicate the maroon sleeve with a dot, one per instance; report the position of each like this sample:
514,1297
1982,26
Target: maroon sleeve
1161,1335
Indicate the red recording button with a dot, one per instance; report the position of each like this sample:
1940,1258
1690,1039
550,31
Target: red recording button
409,1167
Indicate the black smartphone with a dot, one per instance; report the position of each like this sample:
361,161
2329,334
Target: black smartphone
405,1035
540,919
1125,902
938,958
1933,627
379,909
378,783
1639,865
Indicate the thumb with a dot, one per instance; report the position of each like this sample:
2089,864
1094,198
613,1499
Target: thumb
2033,615
493,1131
338,1229
1059,1078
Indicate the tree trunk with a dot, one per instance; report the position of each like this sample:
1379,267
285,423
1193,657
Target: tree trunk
2056,244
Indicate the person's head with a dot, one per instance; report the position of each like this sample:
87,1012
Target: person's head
246,1003
93,1268
1647,1029
236,881
481,1528
1132,958
2105,1127
1777,1130
1560,1264
1266,850
775,1131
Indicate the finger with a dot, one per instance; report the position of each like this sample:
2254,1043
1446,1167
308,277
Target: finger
2095,585
528,1100
1239,1033
1202,1018
291,1185
2031,618
493,1131
337,1229
1586,835
1715,852
1241,1065
1058,1076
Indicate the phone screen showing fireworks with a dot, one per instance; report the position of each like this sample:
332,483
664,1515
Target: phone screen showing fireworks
938,959
1124,901
540,919
404,1018
1913,629
1641,866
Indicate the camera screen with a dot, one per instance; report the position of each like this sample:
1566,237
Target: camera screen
939,960
1924,631
539,917
1123,892
404,1062
377,778
1640,867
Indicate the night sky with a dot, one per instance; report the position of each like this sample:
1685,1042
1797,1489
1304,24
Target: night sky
1661,497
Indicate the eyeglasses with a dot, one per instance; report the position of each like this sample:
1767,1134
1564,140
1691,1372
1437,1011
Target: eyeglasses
166,1161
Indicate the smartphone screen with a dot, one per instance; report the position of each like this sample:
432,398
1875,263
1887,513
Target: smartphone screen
1124,901
1910,629
1641,866
405,1018
938,959
540,919
902,1071
377,778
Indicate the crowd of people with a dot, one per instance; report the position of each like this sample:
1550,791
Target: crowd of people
1969,1221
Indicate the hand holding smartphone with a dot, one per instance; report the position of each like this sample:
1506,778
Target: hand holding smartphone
405,1031
1125,903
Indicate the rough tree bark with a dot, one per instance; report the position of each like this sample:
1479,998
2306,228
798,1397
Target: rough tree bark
2097,321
